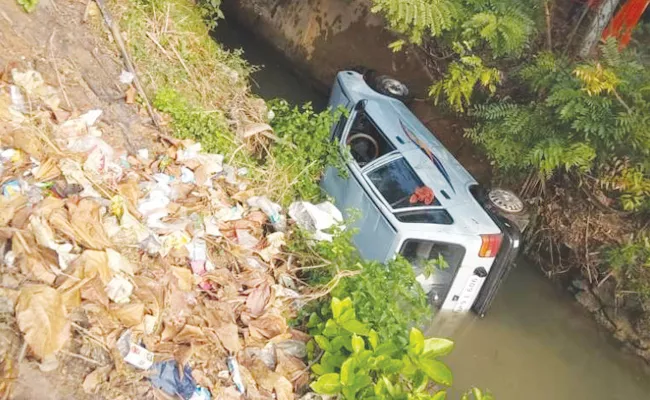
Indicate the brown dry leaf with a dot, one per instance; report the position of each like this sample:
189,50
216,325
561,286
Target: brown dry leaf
33,261
93,263
268,326
183,278
283,388
129,95
94,379
189,334
258,299
130,191
221,319
130,314
9,206
182,355
255,129
94,291
292,368
42,318
47,171
47,206
229,393
84,226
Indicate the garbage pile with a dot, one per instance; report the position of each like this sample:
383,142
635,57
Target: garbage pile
161,273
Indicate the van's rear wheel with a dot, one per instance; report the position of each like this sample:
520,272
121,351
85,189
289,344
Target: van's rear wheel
506,201
391,87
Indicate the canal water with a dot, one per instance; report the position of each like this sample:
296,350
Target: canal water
535,343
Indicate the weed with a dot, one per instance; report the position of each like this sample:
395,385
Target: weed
630,263
28,5
297,160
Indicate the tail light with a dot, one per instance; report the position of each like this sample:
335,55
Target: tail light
490,245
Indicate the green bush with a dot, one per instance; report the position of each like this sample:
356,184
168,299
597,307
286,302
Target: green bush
586,117
630,263
357,364
297,161
190,122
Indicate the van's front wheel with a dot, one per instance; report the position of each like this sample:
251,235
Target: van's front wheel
391,87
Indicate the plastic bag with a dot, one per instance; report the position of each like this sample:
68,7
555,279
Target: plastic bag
167,377
271,209
316,218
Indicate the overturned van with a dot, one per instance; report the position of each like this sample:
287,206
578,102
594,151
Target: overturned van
416,200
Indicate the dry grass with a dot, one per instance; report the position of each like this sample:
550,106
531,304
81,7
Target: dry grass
172,48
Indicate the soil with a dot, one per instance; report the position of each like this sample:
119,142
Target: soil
78,59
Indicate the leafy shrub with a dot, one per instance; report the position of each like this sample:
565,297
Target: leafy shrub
630,263
386,297
304,149
357,363
579,118
190,122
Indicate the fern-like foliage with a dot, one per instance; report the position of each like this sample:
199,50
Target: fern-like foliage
507,34
415,18
581,118
461,79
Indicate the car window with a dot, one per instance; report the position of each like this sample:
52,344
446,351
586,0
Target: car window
437,262
399,185
432,216
366,142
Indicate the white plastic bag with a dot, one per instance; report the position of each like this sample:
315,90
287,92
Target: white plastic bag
316,218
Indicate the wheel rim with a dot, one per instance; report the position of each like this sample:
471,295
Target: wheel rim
395,87
506,200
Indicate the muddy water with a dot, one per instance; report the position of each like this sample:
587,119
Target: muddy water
535,343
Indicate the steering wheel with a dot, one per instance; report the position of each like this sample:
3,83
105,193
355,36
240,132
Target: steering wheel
364,148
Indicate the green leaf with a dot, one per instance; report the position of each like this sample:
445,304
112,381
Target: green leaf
347,315
416,341
357,344
327,384
436,347
332,361
387,349
337,308
322,342
314,320
441,395
437,371
373,338
339,342
347,372
318,369
355,326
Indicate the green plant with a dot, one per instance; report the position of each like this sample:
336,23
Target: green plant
357,363
462,78
386,297
304,149
415,18
579,117
190,122
28,5
211,11
630,264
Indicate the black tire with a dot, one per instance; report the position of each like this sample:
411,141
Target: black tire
369,74
391,87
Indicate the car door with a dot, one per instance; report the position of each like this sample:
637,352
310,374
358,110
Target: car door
351,195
